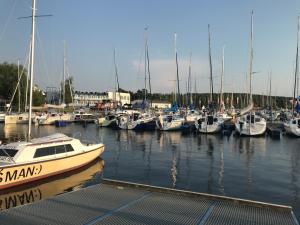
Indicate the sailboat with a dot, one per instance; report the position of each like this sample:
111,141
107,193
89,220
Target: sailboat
110,119
249,123
137,120
292,126
172,121
53,117
38,158
222,114
210,122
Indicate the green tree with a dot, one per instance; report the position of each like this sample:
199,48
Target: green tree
69,90
9,80
38,98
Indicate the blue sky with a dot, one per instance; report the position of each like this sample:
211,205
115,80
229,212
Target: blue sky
93,28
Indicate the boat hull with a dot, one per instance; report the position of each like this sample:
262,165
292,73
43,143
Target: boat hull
255,129
14,175
16,119
293,130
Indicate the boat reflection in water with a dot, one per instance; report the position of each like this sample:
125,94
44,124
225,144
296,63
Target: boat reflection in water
46,188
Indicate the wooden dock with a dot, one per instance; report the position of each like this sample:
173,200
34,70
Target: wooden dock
116,202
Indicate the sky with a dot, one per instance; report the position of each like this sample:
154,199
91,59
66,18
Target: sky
92,29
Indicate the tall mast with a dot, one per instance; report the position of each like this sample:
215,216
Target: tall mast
64,75
19,89
117,87
190,80
148,67
145,68
251,59
177,75
222,78
31,66
211,90
26,92
270,93
296,67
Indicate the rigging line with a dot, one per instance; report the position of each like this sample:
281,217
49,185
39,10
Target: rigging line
8,19
18,83
69,79
39,41
139,65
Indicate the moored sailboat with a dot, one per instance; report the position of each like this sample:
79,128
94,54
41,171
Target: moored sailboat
38,158
210,123
292,126
249,123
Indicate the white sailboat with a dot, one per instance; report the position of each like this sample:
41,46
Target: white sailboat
34,159
135,120
210,123
250,124
174,121
222,114
170,122
292,126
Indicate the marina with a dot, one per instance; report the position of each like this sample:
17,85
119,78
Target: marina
160,151
260,169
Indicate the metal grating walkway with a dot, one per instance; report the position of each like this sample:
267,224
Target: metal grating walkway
115,202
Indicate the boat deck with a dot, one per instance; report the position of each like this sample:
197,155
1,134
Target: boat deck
116,202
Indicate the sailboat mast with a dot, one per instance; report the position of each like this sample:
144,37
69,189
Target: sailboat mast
145,68
31,66
117,87
189,80
64,75
211,90
270,91
26,92
251,59
148,69
177,75
222,78
296,69
19,89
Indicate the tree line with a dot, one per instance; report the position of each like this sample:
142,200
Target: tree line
9,76
238,100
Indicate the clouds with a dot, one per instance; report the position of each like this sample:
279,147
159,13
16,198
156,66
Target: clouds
163,74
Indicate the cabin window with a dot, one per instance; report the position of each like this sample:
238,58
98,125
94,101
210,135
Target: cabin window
60,149
10,152
69,148
40,152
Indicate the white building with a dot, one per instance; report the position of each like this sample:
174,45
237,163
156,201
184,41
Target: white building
92,98
124,98
161,105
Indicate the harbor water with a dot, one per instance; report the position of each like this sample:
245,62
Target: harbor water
261,168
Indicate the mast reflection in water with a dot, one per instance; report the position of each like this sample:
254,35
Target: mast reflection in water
253,168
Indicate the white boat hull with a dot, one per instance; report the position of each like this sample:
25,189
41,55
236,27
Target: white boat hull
292,129
253,129
17,119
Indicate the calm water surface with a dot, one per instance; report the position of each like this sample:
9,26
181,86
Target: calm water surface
259,169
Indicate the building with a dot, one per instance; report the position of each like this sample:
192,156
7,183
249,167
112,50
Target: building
161,105
93,98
